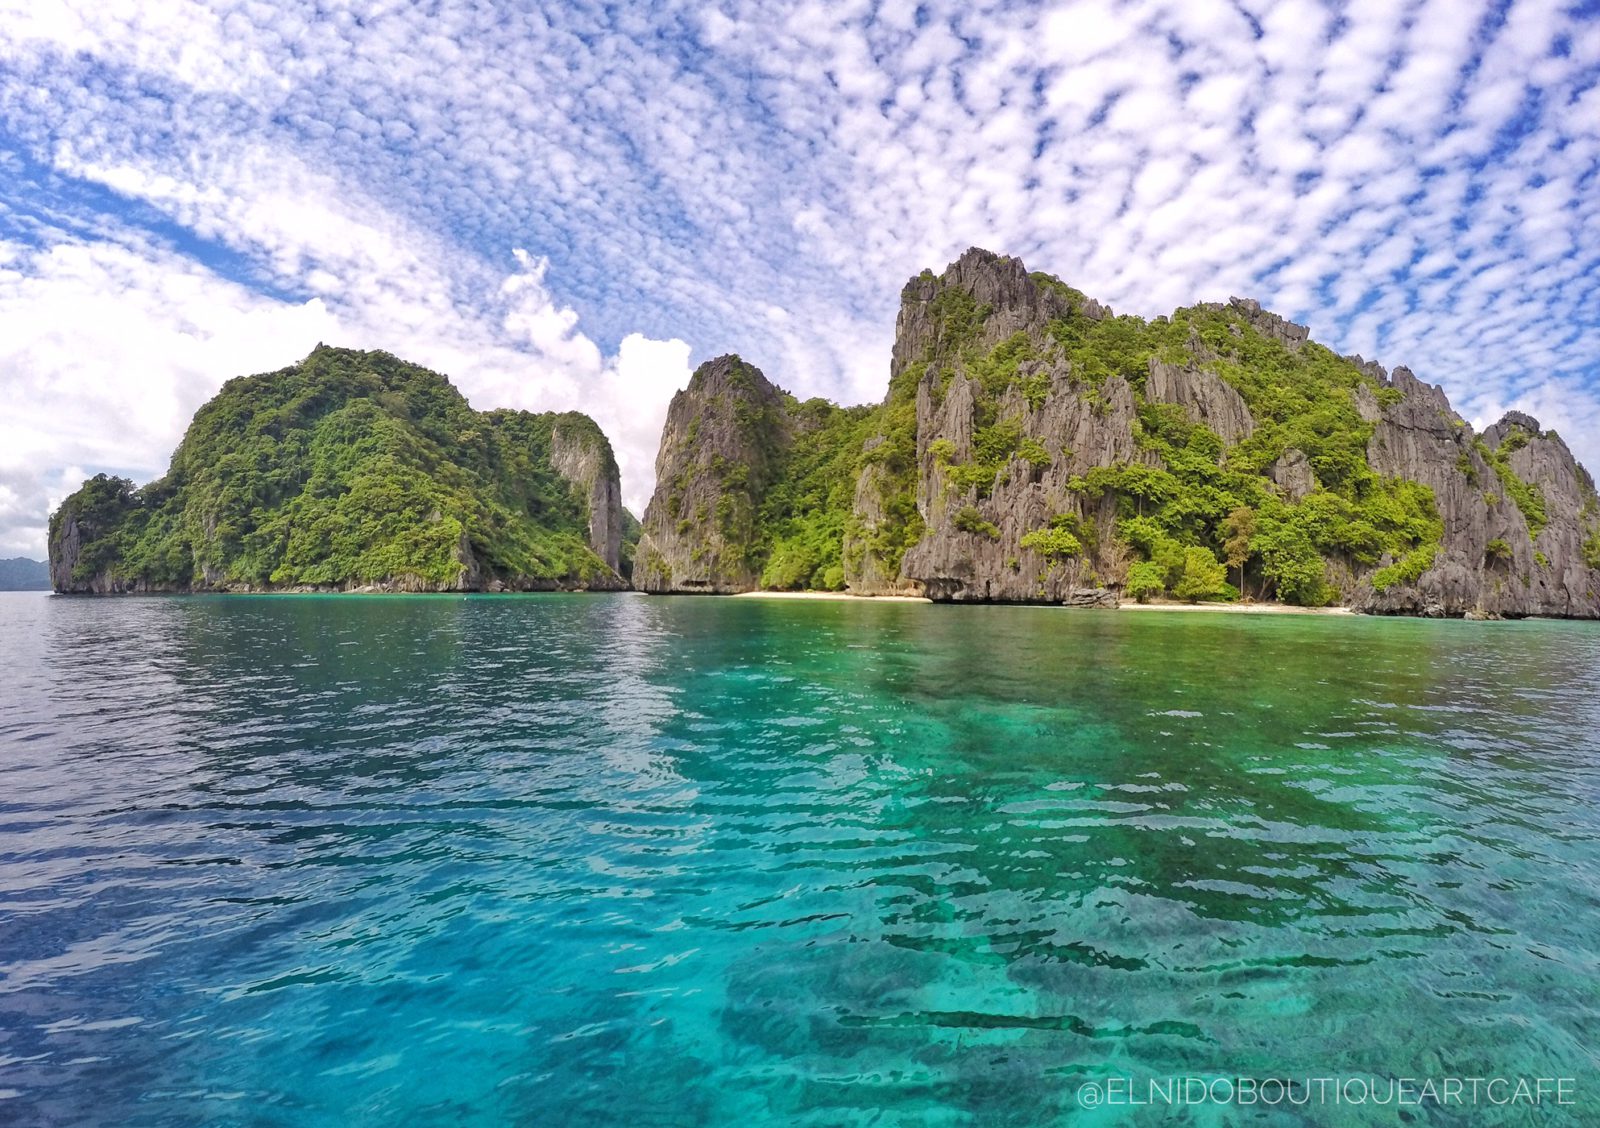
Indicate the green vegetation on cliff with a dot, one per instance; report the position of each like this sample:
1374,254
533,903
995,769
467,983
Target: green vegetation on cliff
1261,471
1300,399
1035,446
760,486
1524,495
631,528
891,457
347,468
801,521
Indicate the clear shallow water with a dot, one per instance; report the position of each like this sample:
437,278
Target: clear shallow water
615,860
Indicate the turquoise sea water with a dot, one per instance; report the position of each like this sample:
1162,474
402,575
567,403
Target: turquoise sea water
559,860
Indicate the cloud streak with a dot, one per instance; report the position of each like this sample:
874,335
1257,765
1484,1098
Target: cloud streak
566,206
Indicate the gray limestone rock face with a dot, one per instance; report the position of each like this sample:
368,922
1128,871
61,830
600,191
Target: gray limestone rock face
1419,438
1270,325
582,455
971,549
952,562
1539,571
1367,405
64,550
1516,510
722,438
865,570
1204,397
1292,474
1013,303
1558,581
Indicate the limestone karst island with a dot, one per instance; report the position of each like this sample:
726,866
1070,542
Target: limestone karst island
1032,446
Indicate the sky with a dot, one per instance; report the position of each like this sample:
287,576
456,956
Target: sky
570,206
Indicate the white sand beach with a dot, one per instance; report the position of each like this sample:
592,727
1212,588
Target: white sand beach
1236,608
1128,605
831,595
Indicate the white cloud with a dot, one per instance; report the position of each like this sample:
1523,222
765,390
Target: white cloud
106,350
641,381
109,348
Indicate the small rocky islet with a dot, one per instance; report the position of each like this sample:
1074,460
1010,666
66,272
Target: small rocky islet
1032,447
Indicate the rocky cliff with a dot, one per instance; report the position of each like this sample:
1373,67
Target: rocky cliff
753,487
1000,432
1519,513
353,470
718,451
1034,446
580,453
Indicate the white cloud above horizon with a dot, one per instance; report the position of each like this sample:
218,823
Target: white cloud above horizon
565,208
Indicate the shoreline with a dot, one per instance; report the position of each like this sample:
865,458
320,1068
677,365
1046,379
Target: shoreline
826,596
1210,608
1239,608
1267,608
830,595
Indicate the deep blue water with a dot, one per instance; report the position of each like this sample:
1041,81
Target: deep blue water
558,860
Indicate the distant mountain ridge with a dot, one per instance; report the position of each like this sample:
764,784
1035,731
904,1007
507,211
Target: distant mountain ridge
18,573
354,470
1035,447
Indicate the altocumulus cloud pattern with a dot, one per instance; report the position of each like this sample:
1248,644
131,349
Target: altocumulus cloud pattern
568,206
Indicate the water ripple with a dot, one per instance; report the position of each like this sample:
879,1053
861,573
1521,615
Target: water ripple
598,860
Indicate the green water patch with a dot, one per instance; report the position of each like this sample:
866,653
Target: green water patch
590,860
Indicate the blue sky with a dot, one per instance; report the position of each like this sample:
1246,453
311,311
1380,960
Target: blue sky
570,206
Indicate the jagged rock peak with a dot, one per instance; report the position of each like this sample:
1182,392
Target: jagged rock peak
1270,325
993,296
720,445
727,369
1518,419
1002,282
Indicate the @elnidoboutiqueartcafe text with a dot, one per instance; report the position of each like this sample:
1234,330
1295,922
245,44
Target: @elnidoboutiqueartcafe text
1452,1092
